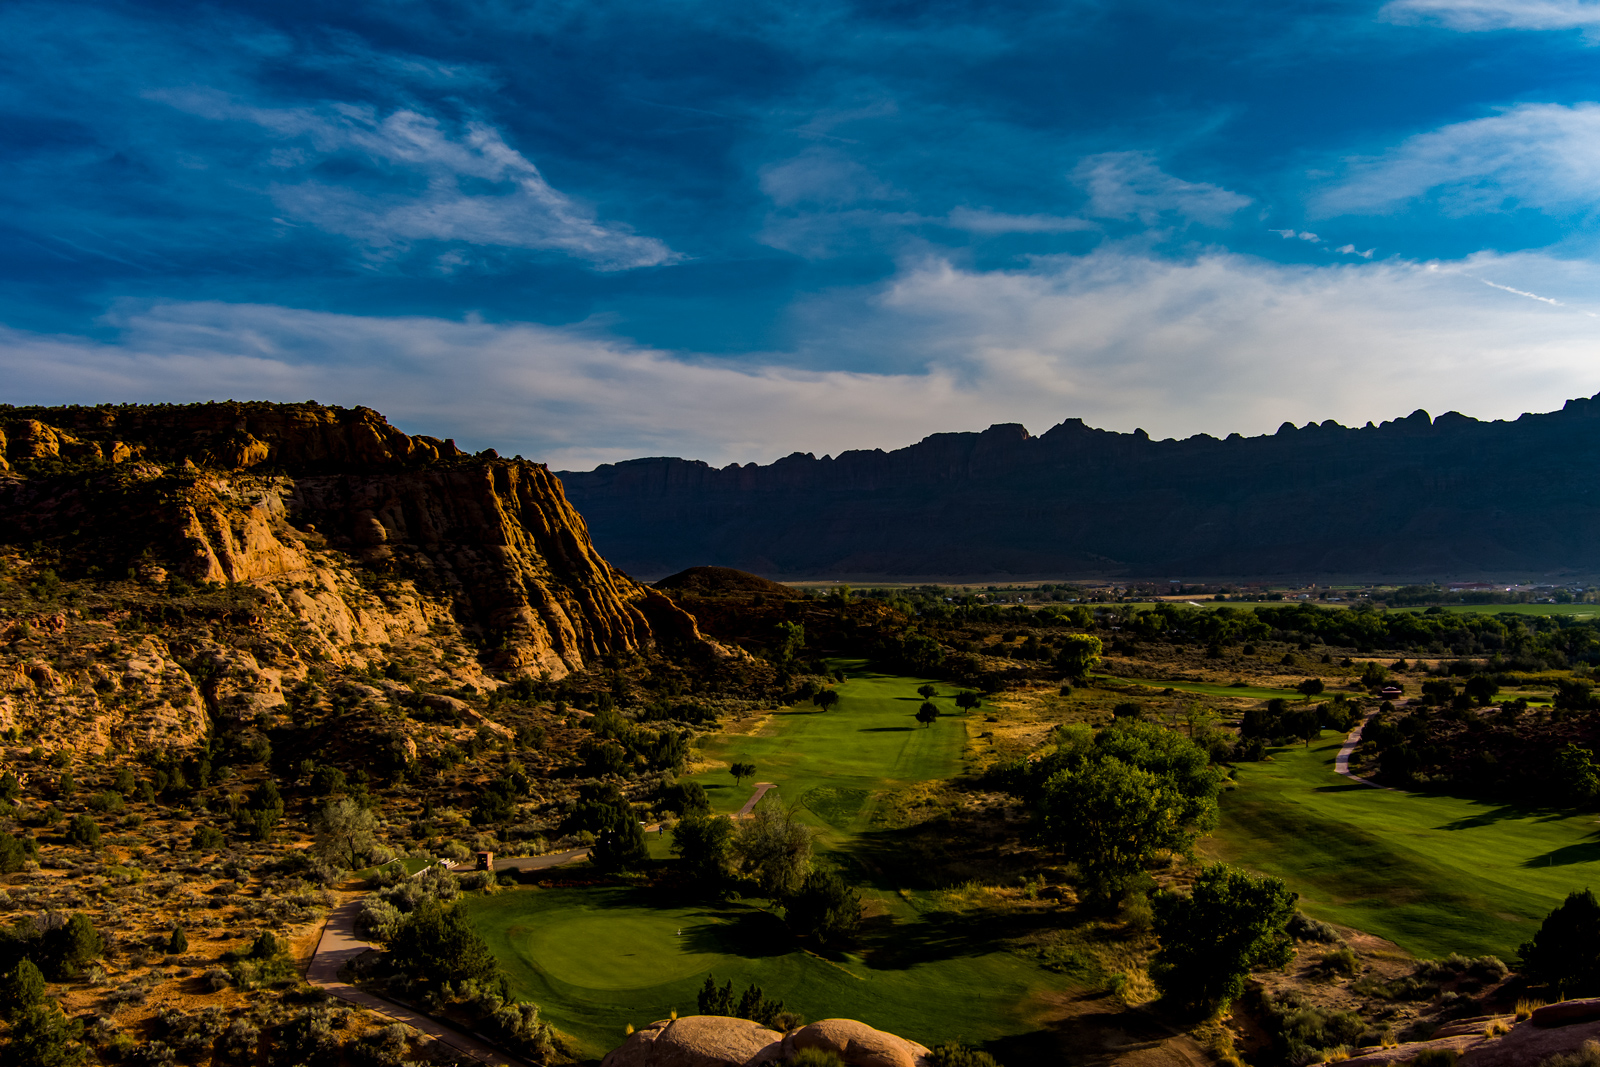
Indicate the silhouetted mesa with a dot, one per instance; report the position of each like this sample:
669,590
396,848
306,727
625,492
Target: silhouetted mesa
1413,497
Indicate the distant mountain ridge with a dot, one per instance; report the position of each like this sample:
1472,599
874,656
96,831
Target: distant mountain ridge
1413,497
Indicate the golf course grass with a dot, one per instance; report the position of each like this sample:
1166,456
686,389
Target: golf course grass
1247,692
832,763
597,959
1435,874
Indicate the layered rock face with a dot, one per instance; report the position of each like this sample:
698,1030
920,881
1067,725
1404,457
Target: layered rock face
1415,497
318,507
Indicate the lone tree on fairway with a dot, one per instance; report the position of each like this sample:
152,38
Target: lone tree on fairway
1232,924
825,699
927,692
1310,687
774,849
1080,654
927,713
1110,800
1565,953
704,845
966,701
741,771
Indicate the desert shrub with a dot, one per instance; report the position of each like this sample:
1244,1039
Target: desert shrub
521,1027
816,1057
1586,1056
476,880
238,1043
1303,927
956,1054
308,1038
1341,961
377,919
108,802
216,979
84,832
1435,1057
1303,1033
207,838
392,873
456,851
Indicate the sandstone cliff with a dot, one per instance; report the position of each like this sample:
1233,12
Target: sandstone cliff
324,536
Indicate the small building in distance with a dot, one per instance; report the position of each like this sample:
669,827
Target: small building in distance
485,861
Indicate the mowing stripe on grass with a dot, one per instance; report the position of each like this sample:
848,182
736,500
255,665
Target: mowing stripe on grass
1435,874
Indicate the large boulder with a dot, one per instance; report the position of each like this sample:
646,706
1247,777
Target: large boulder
856,1043
698,1041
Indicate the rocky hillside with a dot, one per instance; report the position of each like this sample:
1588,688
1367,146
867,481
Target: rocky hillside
1417,496
174,565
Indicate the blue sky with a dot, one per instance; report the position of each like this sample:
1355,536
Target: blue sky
589,231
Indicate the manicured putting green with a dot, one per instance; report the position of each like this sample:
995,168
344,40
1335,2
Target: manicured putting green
631,950
831,762
1435,874
598,959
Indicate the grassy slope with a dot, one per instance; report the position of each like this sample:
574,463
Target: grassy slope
868,742
596,959
1435,874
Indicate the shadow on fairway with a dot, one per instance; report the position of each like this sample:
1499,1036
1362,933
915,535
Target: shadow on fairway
884,730
1488,818
1347,787
746,933
1583,852
888,945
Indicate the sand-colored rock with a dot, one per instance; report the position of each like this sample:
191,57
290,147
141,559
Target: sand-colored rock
698,1041
1527,1044
858,1044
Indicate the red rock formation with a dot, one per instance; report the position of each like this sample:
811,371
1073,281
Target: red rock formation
269,494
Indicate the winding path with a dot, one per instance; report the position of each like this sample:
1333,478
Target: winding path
1341,763
339,945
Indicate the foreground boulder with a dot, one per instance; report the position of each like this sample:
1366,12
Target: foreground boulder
722,1041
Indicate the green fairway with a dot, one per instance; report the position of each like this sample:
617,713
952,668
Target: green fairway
1249,692
598,959
832,762
1434,874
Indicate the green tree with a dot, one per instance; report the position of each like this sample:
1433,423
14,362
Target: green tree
84,832
1565,953
714,1000
1111,818
1080,654
826,909
124,782
686,798
927,714
1573,776
790,639
20,989
10,788
826,699
927,692
344,833
967,700
66,785
1481,688
178,942
436,944
1374,675
1310,687
1231,924
774,849
619,843
42,1036
741,771
14,853
703,844
71,947
207,838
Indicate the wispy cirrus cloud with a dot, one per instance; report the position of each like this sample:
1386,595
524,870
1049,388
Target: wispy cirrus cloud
1540,156
1130,185
423,188
1478,15
1213,343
